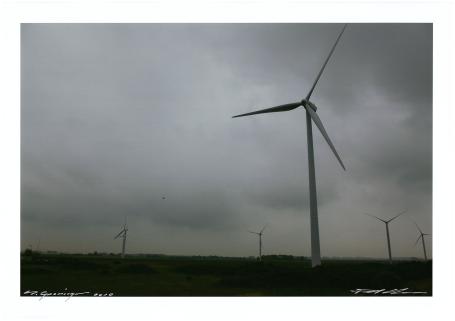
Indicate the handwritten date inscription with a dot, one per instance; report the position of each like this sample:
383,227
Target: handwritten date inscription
65,293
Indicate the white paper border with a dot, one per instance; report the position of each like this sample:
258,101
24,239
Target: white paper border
14,307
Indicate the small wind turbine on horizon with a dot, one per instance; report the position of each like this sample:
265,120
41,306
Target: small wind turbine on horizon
260,240
311,115
422,236
123,235
386,222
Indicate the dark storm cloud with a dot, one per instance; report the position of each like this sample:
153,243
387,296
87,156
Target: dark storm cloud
116,117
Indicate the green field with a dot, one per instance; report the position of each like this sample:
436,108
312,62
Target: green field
193,276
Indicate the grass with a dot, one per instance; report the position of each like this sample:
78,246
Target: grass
192,276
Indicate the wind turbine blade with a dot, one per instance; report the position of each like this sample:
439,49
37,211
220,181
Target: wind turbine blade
119,234
254,232
375,217
418,228
401,213
319,124
264,228
275,109
417,240
325,63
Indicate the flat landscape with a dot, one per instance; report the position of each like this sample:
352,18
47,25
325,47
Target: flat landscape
218,276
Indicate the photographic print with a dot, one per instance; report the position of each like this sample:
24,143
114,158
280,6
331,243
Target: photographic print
226,159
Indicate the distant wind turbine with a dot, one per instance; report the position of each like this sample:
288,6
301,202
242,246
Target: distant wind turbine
260,241
123,235
310,115
386,222
38,247
422,236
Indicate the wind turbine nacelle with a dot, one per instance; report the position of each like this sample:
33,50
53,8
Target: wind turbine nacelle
310,104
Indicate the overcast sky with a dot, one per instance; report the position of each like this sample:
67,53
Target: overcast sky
117,116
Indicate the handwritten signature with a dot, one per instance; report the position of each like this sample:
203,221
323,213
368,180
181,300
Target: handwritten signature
385,292
66,293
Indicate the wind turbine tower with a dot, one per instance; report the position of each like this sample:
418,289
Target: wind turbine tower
422,236
260,241
311,115
123,235
386,222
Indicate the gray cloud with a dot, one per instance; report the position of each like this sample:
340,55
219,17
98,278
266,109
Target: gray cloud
116,116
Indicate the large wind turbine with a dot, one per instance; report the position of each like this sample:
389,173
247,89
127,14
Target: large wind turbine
260,241
123,235
422,236
310,115
386,222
